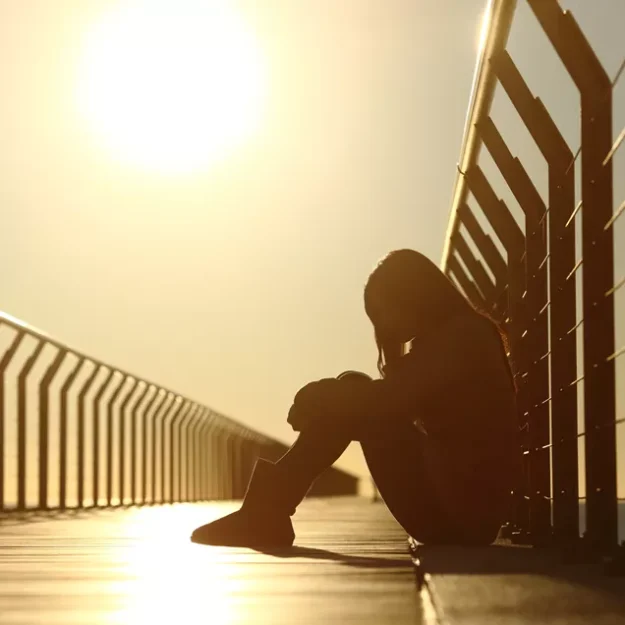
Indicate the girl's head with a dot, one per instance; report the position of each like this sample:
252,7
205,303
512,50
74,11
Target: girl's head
407,296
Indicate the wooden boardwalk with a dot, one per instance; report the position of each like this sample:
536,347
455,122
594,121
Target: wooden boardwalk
351,564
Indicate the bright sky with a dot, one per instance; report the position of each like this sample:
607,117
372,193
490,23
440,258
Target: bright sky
228,264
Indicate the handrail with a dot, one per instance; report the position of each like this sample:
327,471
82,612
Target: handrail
127,411
498,20
20,325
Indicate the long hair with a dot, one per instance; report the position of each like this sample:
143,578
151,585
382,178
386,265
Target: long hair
413,281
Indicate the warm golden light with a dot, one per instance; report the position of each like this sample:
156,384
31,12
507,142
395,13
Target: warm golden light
164,579
171,85
484,27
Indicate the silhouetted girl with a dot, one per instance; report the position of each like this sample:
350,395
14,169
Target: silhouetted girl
438,430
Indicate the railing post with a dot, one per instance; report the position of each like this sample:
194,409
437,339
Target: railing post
205,456
21,424
513,240
122,438
170,424
226,464
148,420
175,436
158,420
44,422
190,454
133,438
215,459
482,279
195,457
486,246
174,409
109,438
201,450
4,363
536,333
597,270
562,293
96,437
182,460
63,432
468,286
80,457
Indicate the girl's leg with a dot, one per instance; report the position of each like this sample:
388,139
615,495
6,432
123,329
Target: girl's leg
397,464
314,451
274,492
395,456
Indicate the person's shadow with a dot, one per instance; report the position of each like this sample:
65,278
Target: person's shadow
333,556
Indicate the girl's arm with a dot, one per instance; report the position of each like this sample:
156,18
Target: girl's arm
437,364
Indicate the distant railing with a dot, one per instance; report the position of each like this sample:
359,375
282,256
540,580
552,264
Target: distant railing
531,286
76,432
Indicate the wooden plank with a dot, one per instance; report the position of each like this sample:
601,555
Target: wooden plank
350,565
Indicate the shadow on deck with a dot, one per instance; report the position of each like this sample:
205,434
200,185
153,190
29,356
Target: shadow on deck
514,585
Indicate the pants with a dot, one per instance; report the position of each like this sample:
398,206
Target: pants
395,457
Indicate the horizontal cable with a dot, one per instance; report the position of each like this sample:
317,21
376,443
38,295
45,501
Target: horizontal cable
614,217
616,287
543,309
579,151
577,380
526,452
580,498
616,354
579,323
617,76
544,260
614,148
619,72
542,219
613,356
572,217
578,264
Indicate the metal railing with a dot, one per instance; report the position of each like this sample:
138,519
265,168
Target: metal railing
524,273
76,432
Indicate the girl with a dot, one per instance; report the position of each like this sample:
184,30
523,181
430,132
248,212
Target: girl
438,429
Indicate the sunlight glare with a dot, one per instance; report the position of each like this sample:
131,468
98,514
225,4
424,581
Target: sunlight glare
171,85
484,27
166,579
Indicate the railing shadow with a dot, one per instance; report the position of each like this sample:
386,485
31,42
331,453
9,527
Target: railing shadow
577,567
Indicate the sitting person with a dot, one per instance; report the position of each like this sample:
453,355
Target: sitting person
438,429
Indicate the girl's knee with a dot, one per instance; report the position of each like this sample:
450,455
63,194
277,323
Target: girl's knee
355,375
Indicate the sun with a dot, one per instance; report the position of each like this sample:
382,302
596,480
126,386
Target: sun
171,85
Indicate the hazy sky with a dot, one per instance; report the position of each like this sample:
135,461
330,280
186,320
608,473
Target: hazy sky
238,283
